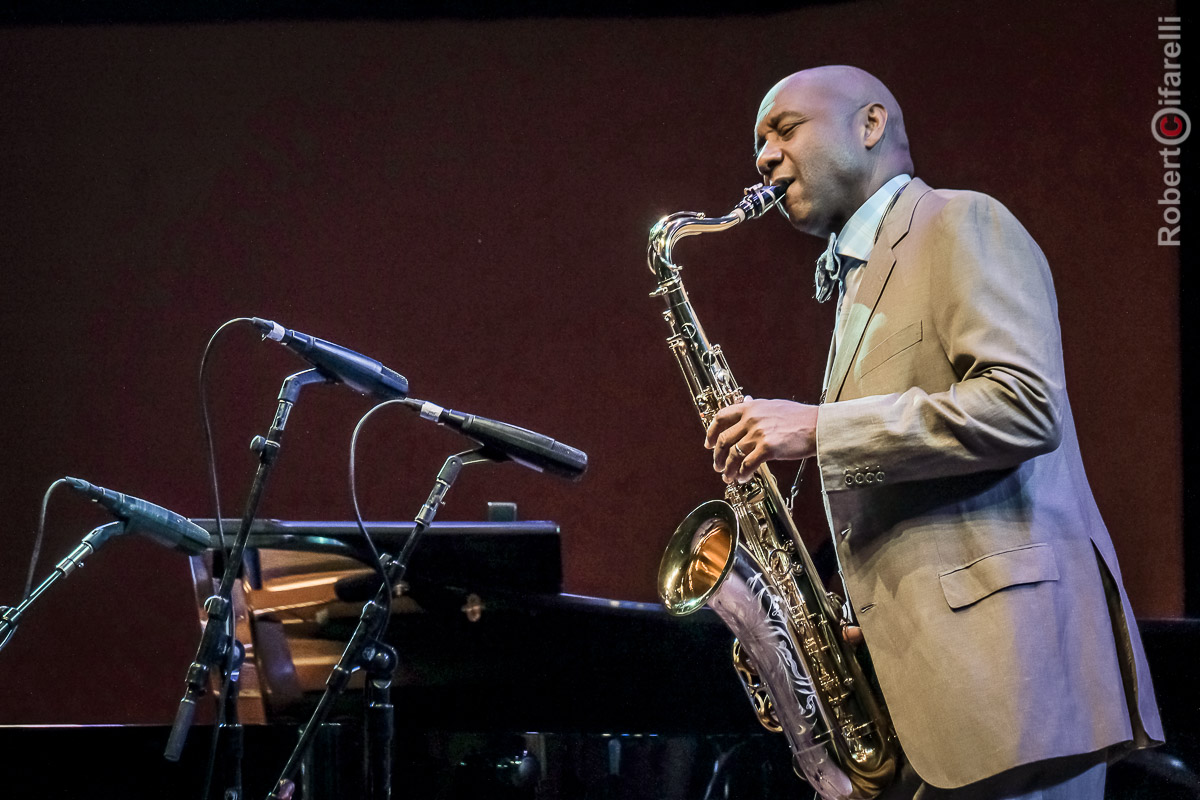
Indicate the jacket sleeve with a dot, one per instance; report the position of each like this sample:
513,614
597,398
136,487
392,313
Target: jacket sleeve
992,308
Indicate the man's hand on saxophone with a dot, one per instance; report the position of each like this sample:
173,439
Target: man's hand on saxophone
744,435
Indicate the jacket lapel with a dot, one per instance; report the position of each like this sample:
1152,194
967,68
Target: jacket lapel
878,268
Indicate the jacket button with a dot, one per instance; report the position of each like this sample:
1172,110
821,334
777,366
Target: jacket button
859,478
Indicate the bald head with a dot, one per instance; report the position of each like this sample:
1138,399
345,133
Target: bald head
834,135
844,89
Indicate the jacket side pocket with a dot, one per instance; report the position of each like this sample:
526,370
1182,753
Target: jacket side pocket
972,582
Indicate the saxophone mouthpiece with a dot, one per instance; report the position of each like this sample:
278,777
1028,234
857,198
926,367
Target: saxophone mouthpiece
758,200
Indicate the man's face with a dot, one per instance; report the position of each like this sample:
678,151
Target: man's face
805,138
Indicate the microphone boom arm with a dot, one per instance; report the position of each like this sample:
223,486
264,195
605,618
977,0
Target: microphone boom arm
365,650
215,644
11,616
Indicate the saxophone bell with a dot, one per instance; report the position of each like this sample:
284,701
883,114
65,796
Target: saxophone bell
697,557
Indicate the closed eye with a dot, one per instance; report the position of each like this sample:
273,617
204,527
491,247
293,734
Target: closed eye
783,130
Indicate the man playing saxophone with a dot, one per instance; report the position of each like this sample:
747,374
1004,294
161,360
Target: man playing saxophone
982,577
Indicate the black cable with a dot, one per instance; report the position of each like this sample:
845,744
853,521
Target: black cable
38,538
216,495
363,632
207,420
387,583
37,541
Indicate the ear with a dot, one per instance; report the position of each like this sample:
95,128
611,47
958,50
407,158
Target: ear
874,124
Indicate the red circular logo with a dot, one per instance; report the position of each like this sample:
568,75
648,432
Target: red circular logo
1170,126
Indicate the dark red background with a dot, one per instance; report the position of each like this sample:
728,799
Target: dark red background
469,202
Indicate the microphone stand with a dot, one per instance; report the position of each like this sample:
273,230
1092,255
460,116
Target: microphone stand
364,650
217,644
11,616
232,732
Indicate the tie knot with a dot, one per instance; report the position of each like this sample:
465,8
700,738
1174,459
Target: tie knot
830,259
829,270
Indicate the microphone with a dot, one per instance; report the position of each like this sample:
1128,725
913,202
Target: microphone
165,527
362,374
530,449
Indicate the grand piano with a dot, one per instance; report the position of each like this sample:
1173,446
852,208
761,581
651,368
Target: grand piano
506,685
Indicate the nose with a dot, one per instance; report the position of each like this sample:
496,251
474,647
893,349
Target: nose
767,159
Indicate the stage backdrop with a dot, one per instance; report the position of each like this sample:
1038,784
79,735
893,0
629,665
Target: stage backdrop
469,202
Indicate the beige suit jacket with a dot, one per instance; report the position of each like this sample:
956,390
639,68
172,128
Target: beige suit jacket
972,549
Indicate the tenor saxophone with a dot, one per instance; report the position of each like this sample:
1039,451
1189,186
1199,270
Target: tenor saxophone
744,558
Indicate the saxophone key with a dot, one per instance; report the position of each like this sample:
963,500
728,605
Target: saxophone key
780,561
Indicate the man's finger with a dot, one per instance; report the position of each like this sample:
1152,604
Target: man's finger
725,457
748,464
722,420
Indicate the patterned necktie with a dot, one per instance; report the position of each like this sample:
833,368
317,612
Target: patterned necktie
829,271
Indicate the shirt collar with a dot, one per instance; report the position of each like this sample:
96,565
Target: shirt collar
857,238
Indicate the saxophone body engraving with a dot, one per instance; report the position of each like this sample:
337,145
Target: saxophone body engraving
744,558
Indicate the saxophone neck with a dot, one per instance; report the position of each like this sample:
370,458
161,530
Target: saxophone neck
670,230
667,231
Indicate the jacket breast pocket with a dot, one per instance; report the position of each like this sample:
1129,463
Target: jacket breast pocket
890,347
970,583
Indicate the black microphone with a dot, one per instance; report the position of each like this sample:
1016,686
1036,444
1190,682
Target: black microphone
362,374
531,449
165,527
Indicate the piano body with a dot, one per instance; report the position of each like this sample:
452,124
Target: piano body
506,686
